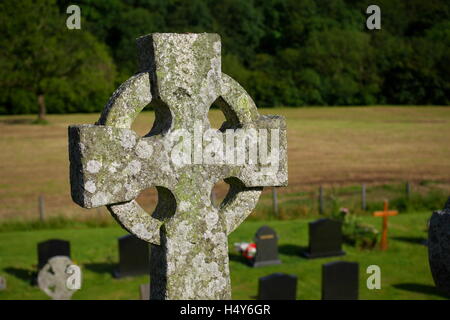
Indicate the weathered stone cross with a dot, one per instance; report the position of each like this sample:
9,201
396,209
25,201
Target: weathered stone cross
180,74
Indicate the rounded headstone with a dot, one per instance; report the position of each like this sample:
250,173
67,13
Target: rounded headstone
2,283
439,248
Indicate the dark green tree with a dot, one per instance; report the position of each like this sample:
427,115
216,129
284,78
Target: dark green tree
42,58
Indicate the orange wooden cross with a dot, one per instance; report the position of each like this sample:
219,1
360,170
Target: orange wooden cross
385,214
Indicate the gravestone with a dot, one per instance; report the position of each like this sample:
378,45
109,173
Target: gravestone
2,283
439,248
52,278
180,75
134,257
340,280
325,239
51,248
266,241
144,291
277,286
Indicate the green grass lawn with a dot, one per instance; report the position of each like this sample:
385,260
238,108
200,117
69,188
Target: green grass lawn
404,267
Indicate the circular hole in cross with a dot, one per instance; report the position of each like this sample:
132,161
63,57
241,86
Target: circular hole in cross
219,192
154,119
148,199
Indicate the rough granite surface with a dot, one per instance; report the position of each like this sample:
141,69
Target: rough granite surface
110,164
439,248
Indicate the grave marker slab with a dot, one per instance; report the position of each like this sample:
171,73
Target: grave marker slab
51,248
3,283
144,291
134,257
439,248
110,164
340,280
325,239
277,286
266,241
52,278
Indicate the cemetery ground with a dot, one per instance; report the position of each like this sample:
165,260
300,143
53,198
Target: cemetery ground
404,267
339,148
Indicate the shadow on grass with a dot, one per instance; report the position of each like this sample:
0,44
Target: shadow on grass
17,121
413,240
101,267
239,258
23,274
292,250
420,288
285,249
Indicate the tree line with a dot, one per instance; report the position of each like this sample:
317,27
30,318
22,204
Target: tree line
284,52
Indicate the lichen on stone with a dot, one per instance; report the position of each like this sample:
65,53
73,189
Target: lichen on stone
110,164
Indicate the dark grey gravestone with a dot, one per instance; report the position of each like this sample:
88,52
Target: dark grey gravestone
277,286
439,248
2,283
325,239
340,280
266,241
52,248
134,257
144,291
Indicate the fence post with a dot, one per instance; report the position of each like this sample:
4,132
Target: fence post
275,201
408,190
41,208
363,197
321,204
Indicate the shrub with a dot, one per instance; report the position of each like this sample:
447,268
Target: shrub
358,234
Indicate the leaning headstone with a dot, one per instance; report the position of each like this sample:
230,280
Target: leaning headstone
52,278
325,239
340,280
110,164
51,248
277,286
439,248
144,291
266,241
134,257
2,283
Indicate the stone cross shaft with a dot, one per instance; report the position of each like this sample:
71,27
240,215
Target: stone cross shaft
180,77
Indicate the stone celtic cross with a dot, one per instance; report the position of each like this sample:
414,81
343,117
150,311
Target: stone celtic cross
180,75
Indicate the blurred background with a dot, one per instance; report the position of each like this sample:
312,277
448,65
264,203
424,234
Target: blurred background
284,52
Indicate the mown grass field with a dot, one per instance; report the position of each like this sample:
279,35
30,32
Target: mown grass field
404,267
340,146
